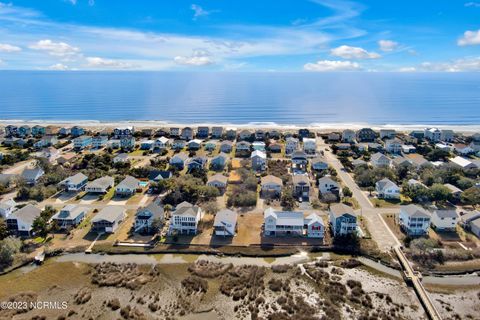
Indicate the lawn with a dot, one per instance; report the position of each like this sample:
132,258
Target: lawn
385,203
109,195
137,152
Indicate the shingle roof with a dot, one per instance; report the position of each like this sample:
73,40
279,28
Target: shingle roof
340,209
299,178
386,183
448,213
31,174
271,179
218,177
186,209
75,179
70,211
413,210
103,182
225,215
110,214
26,214
129,183
155,208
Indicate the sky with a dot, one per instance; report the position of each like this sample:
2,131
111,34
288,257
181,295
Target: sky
241,35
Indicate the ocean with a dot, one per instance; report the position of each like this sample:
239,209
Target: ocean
242,98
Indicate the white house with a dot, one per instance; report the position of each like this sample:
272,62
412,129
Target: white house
69,216
108,219
433,134
327,185
315,228
185,219
445,219
319,164
414,220
291,144
75,183
21,220
309,145
387,189
393,146
162,143
271,186
218,181
278,223
100,185
380,160
259,160
194,144
462,163
225,223
128,186
348,136
387,133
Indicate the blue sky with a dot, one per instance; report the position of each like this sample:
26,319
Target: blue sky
241,35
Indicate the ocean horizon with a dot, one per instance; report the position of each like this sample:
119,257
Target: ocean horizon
242,98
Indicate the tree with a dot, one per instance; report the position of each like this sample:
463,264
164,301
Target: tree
211,207
438,192
3,229
156,225
347,192
287,199
40,227
8,248
471,196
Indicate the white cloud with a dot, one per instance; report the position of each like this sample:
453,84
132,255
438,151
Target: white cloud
473,4
329,65
58,49
101,63
470,38
198,11
4,47
407,69
58,67
348,52
198,58
459,65
387,45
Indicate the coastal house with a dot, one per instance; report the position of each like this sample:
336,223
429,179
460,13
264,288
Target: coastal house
178,144
343,220
7,206
50,153
74,183
462,163
359,162
24,131
31,176
327,185
432,134
203,132
113,144
444,219
314,226
274,134
38,130
348,136
174,132
303,133
258,145
274,147
387,189
291,145
149,218
187,133
259,160
66,158
463,149
299,160
418,161
225,223
408,148
310,146
128,186
108,219
11,131
393,146
218,181
301,186
260,134
194,144
210,145
226,146
243,147
447,135
271,186
100,185
399,162
69,216
46,141
245,135
454,191
468,217
99,142
218,162
475,227
147,144
387,133
333,137
366,135
319,164
162,143
414,220
77,131
185,219
64,131
178,160
444,146
475,145
158,175
121,158
125,131
197,163
380,160
82,142
231,133
217,132
20,221
283,223
127,143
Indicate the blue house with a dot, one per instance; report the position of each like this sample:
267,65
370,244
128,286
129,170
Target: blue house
82,142
38,130
127,143
146,144
99,141
343,221
11,131
77,131
24,131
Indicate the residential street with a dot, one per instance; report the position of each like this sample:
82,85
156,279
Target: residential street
376,225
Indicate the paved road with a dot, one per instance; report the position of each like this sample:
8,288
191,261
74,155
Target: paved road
376,225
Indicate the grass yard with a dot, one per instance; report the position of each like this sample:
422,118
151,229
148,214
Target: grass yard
384,203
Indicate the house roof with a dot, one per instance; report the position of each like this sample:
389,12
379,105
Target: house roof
122,156
470,216
339,209
318,160
258,153
32,174
129,183
417,159
227,142
314,218
195,141
155,208
452,188
289,218
413,210
327,180
103,182
358,162
70,211
157,174
110,214
462,162
299,154
378,156
300,178
163,140
186,209
271,179
446,213
222,155
386,183
218,177
180,156
401,160
225,215
26,214
75,179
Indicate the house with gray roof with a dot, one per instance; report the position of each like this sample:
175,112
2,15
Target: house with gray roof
271,186
7,206
75,183
414,220
128,186
20,221
445,219
31,176
185,219
100,185
343,220
387,189
148,218
108,219
218,181
225,223
70,216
